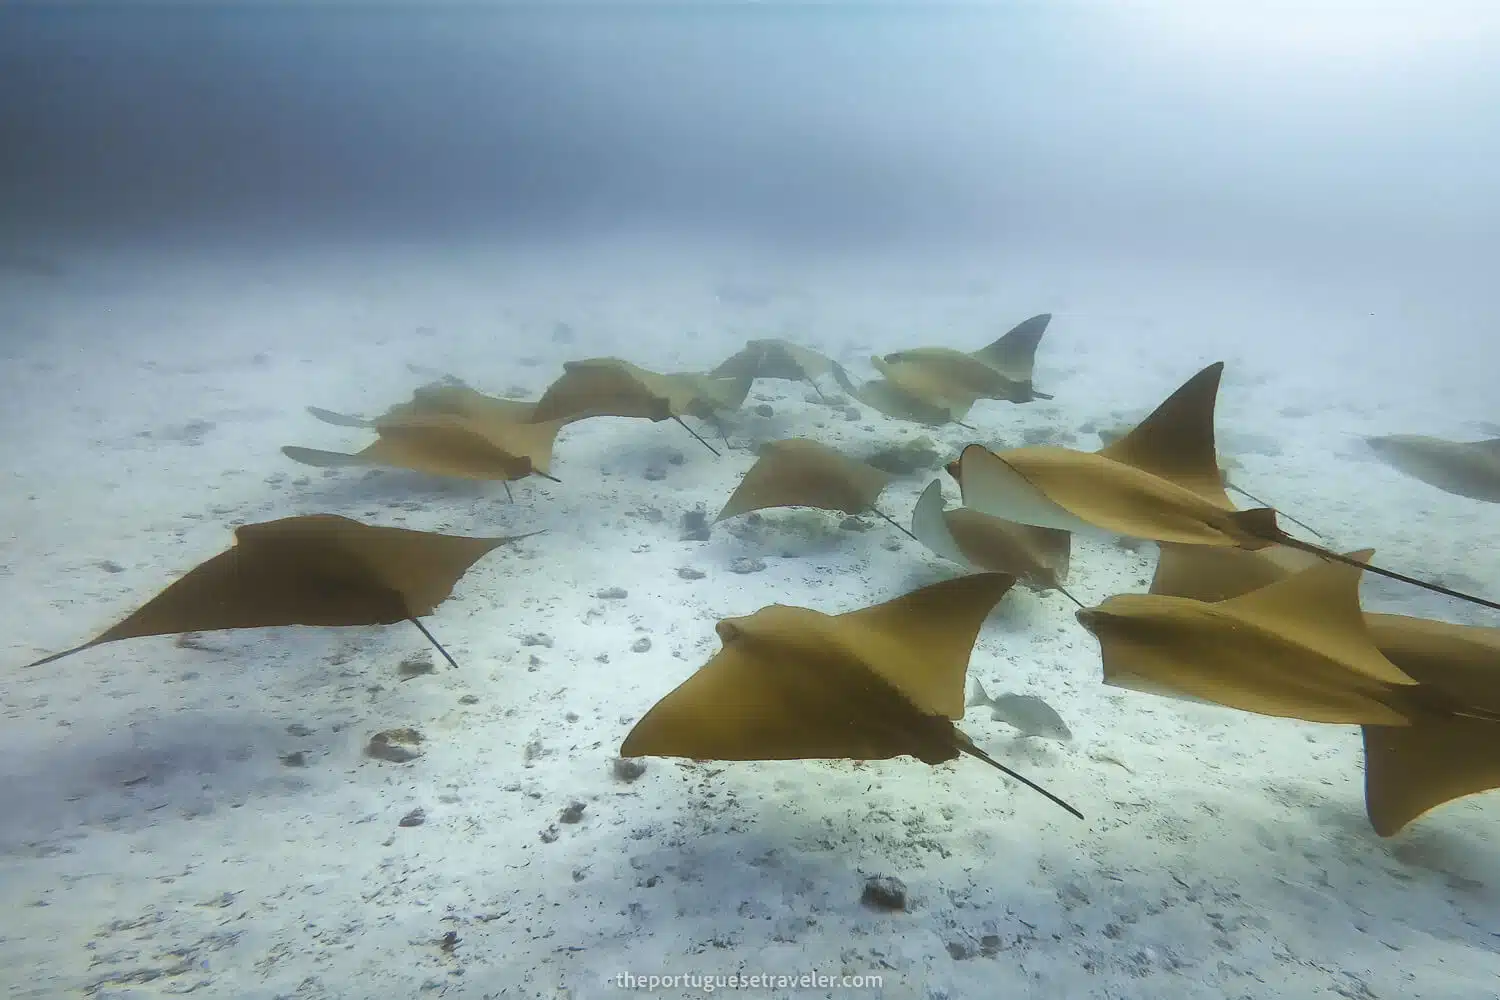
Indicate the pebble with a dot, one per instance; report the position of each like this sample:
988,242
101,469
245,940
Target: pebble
415,666
695,526
627,769
884,892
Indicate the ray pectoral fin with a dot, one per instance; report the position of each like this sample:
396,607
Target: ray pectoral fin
921,642
991,486
930,528
737,707
1176,440
339,419
1412,770
321,459
1015,351
54,657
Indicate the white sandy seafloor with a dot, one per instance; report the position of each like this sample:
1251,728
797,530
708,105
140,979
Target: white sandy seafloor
156,840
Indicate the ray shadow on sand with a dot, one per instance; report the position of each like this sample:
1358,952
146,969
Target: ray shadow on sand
134,775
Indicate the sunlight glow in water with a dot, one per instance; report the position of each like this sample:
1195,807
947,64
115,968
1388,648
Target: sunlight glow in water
1350,32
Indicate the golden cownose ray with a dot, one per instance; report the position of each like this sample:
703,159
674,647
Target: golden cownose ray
1161,482
1003,370
886,397
796,684
1296,648
439,397
1446,752
611,387
317,570
1465,468
1013,354
1110,435
445,444
1226,466
1038,556
801,473
1214,573
775,358
1441,756
712,396
922,382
